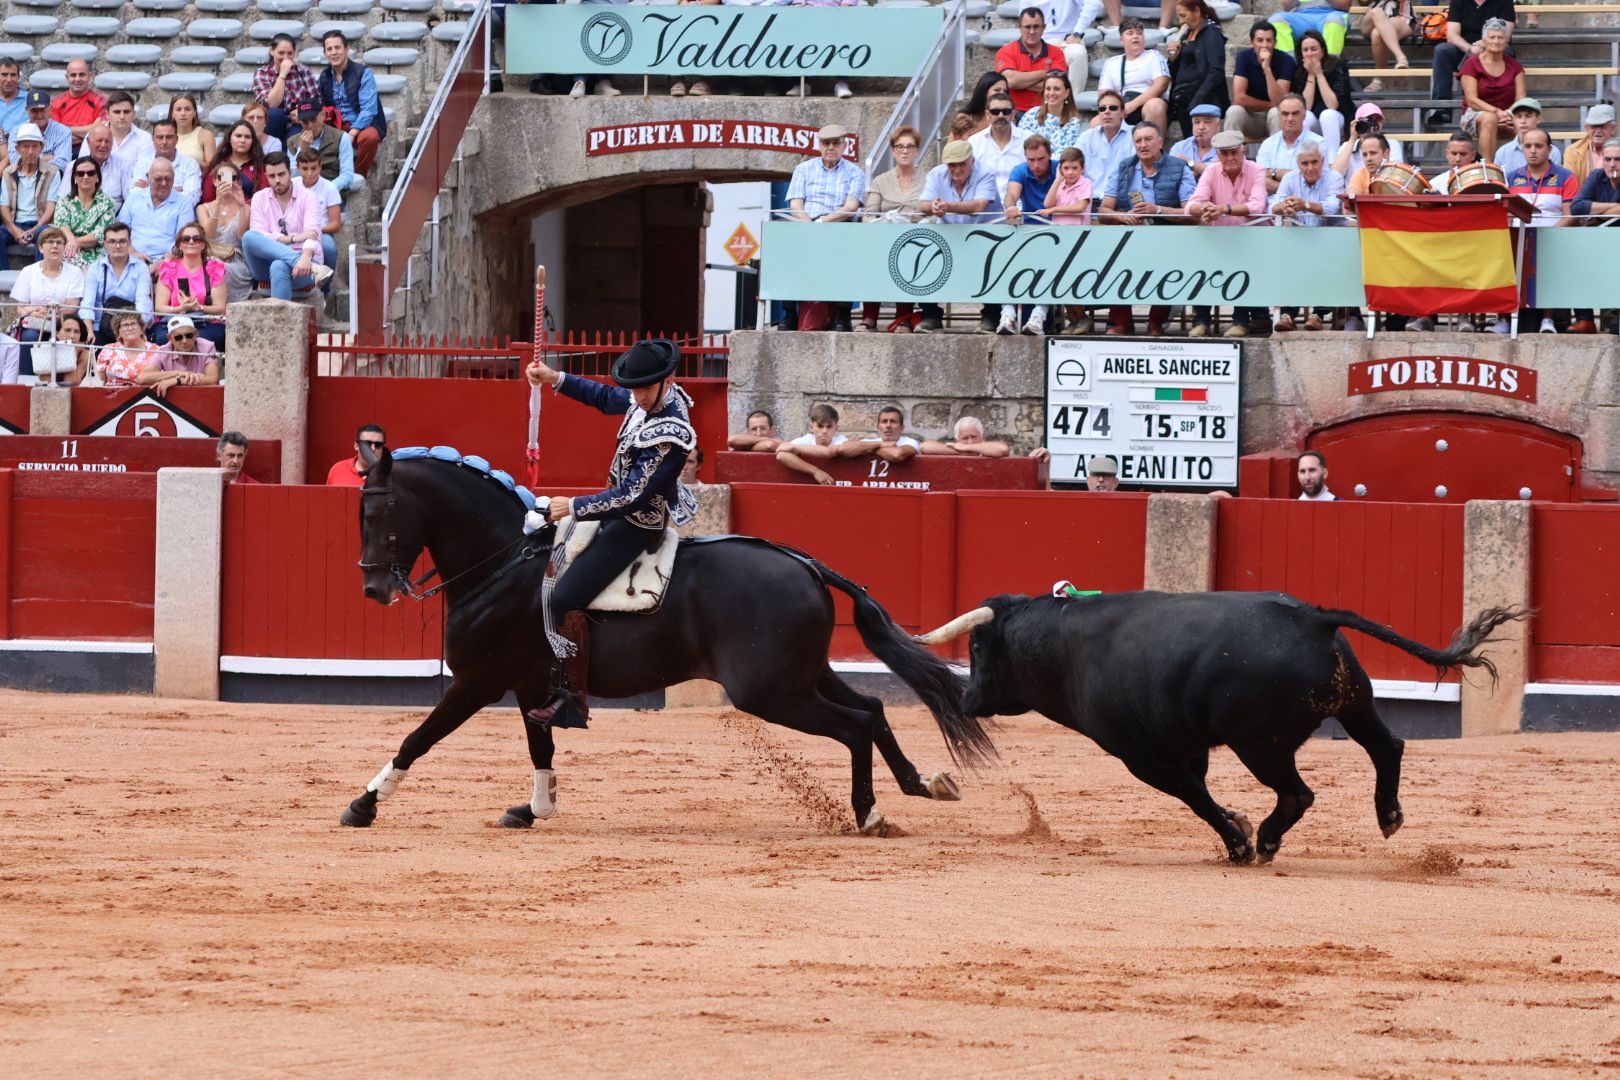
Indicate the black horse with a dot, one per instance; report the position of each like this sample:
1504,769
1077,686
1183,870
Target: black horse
750,615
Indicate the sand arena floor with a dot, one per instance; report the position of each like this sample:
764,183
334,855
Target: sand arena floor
177,899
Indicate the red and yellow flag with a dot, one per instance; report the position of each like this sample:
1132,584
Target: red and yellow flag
1423,260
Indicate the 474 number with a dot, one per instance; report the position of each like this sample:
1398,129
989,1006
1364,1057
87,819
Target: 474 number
1081,421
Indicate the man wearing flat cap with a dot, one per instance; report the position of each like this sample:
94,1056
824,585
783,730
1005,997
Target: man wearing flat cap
1102,474
958,190
828,188
643,497
1585,154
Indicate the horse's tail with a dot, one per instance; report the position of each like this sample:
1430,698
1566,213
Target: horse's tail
1464,650
931,678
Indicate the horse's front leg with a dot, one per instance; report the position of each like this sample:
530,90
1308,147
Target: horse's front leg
459,702
543,803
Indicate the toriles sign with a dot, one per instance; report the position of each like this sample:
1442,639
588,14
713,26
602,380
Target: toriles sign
1465,373
1165,411
709,135
1060,265
705,40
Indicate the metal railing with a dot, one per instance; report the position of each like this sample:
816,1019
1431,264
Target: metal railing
415,191
579,353
934,88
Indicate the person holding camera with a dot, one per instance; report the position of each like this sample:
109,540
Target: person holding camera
190,283
1369,121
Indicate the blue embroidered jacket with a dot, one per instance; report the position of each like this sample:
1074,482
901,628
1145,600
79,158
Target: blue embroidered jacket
644,483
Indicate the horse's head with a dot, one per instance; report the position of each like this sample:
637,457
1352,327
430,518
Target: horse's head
391,534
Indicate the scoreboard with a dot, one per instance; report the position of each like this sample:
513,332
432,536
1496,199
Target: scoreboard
1165,410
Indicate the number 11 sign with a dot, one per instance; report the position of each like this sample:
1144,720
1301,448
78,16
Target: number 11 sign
1165,411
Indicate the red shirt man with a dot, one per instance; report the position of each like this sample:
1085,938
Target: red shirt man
350,472
81,106
1026,61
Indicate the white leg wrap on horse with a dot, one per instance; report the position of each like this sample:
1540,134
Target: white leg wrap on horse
544,802
386,782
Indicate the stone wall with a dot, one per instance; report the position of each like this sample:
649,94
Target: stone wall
1292,384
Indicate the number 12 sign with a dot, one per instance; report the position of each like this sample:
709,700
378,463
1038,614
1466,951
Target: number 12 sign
1165,411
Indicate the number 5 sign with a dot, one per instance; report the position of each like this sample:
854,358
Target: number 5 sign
145,414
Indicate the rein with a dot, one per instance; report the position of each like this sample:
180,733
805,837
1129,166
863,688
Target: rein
409,587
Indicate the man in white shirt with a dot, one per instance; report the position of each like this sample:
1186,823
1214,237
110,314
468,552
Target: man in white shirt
130,143
1279,153
820,444
1460,153
1312,469
995,149
891,443
115,172
165,146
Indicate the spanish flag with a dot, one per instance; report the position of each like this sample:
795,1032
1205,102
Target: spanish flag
1424,260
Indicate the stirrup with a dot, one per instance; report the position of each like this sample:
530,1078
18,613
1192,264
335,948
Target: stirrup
560,712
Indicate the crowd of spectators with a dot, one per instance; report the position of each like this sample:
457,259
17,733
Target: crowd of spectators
167,224
1174,140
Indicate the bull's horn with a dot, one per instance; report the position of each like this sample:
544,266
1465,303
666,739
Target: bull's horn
956,627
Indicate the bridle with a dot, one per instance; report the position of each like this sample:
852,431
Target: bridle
399,574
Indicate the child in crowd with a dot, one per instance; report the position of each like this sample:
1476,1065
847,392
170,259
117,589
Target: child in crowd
1069,203
820,444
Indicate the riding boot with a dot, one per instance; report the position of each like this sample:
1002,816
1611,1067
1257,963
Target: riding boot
577,668
569,706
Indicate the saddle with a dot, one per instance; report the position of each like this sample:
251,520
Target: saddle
638,589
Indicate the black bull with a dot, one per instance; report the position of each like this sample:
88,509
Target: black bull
1157,679
751,616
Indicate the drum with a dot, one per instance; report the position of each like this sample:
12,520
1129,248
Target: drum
1480,178
1395,178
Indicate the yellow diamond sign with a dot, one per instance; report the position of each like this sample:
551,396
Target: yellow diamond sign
741,245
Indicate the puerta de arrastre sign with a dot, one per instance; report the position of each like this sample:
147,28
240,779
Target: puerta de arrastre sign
1165,411
709,134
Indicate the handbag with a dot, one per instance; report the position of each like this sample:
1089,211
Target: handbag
1433,26
55,358
110,307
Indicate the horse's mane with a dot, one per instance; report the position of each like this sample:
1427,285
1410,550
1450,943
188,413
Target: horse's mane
472,462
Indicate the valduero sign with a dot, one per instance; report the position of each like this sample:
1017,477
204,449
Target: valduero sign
1037,264
1165,411
707,40
709,135
1465,373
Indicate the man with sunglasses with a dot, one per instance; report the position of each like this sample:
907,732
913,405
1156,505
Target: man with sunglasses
186,360
350,472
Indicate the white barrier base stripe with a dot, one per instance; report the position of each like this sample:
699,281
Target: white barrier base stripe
64,645
1553,689
282,665
1412,690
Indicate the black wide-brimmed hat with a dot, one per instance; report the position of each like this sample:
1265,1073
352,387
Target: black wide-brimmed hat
646,362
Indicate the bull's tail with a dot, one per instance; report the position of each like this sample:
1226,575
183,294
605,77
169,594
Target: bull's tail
1464,650
939,687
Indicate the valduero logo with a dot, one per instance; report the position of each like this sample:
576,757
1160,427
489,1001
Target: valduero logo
606,38
920,262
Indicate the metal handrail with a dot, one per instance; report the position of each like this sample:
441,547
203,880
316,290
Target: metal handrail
949,49
424,138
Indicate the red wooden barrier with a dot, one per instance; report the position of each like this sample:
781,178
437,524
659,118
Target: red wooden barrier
489,418
79,553
290,586
80,455
13,409
1395,563
931,473
928,556
1577,600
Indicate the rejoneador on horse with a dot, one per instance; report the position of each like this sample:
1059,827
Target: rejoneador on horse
751,615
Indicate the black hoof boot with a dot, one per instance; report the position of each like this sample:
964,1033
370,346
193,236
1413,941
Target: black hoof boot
518,817
362,812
